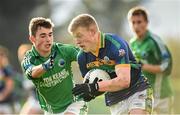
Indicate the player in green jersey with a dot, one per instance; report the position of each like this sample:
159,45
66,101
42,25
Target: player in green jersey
155,57
48,65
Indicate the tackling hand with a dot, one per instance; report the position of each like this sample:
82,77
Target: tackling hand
50,62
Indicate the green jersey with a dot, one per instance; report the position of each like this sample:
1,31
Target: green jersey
151,50
54,87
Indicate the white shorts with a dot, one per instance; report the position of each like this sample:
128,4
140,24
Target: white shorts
31,104
6,108
139,100
164,106
77,108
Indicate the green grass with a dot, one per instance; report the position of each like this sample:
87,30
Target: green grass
97,106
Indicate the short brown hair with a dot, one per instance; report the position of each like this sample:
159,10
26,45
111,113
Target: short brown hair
37,22
82,20
137,11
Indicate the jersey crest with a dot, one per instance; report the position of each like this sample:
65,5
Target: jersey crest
122,52
61,62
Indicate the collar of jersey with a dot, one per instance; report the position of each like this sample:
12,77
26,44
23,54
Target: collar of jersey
101,43
145,37
147,34
36,54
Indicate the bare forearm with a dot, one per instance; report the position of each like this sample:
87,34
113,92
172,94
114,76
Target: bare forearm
115,84
151,68
37,71
120,82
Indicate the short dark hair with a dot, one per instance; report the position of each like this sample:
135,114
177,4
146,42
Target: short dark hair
137,11
39,22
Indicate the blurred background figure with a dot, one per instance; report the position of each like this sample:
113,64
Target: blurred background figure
155,58
31,105
6,83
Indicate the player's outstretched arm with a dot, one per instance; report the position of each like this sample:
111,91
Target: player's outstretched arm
36,71
152,68
42,68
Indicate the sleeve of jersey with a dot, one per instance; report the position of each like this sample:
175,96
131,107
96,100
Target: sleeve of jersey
72,52
131,56
163,54
121,55
82,64
8,71
27,67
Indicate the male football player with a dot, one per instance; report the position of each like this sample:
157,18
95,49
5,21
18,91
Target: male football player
127,90
48,65
155,58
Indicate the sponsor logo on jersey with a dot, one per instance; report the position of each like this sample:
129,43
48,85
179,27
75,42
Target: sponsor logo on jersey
100,62
55,79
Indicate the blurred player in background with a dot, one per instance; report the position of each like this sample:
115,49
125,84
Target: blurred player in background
48,65
128,92
31,106
155,58
6,83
